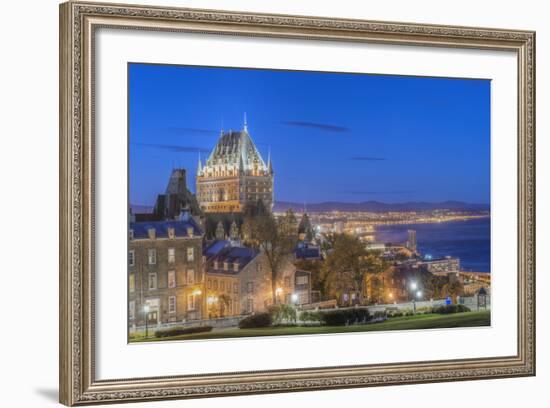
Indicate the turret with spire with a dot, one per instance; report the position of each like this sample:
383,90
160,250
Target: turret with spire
234,174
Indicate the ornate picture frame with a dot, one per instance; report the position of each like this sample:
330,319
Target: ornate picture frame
78,24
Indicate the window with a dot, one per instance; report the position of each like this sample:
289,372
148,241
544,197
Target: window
132,282
236,267
235,288
152,281
131,234
287,282
190,254
171,233
132,310
171,304
190,231
171,255
215,284
190,302
171,279
222,286
250,305
216,265
132,257
190,276
209,284
250,287
259,267
301,280
225,266
152,256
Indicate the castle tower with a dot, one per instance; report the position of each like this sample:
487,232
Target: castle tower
234,175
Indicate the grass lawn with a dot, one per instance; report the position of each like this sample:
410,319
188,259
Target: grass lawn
427,321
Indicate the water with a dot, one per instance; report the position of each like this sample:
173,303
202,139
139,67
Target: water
468,240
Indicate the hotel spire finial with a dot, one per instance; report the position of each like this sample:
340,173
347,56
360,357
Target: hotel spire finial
245,128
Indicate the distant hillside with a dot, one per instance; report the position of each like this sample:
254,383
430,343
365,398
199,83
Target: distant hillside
376,206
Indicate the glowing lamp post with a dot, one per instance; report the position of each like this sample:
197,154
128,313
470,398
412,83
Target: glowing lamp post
278,292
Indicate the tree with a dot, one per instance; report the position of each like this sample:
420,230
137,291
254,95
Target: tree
345,267
306,228
277,239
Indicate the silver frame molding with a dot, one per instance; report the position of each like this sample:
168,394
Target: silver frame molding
78,22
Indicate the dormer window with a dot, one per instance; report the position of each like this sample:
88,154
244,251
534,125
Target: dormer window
225,266
131,234
171,233
190,231
152,233
216,265
236,266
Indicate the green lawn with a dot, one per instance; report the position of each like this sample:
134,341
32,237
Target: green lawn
417,322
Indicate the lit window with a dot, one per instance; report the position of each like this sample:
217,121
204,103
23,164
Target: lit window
250,305
190,302
190,254
171,304
222,286
225,266
215,284
235,288
287,282
132,257
171,279
236,267
190,276
171,255
152,281
152,256
301,280
132,310
132,282
250,287
209,284
171,233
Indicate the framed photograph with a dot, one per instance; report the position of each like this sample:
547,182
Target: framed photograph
256,203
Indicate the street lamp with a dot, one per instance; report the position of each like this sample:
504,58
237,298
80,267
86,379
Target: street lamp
294,298
418,294
146,312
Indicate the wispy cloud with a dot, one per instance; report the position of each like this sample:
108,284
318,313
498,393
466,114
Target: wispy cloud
174,148
367,158
318,126
381,192
188,131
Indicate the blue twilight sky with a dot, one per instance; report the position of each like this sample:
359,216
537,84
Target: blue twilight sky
333,136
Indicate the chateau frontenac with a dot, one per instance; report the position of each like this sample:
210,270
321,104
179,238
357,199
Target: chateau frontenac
234,175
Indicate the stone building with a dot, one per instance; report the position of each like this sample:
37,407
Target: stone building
165,271
234,175
227,264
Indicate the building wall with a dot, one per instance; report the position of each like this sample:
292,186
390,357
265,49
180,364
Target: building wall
255,284
185,283
232,193
217,286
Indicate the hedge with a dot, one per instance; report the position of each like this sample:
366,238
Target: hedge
256,320
447,309
178,331
344,317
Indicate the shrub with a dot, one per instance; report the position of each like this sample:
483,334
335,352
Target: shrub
256,320
308,316
178,331
343,317
282,312
380,315
448,309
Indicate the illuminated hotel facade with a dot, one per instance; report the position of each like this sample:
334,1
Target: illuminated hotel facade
234,175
